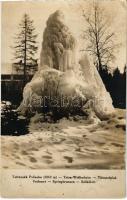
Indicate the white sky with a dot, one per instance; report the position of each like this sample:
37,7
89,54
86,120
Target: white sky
39,11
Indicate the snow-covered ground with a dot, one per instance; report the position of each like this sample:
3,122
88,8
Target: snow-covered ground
68,144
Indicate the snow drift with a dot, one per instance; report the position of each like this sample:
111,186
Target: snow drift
64,85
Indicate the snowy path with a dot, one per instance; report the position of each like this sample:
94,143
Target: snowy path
68,145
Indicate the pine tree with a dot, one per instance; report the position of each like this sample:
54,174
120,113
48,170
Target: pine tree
124,86
26,47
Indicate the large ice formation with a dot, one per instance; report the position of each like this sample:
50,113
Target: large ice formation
63,84
58,47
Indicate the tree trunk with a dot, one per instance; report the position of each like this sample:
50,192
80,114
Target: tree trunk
25,54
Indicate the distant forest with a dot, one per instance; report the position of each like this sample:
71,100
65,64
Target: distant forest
116,85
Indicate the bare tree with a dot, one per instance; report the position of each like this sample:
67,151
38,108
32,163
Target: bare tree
99,36
25,48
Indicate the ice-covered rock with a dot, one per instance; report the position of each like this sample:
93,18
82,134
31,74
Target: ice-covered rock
64,84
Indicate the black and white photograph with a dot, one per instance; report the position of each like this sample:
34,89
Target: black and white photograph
63,85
